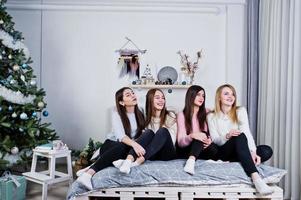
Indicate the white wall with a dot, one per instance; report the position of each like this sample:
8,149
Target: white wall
73,45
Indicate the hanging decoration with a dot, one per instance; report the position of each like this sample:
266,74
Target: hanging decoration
127,52
129,60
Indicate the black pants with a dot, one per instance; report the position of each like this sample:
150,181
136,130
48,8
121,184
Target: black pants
158,146
237,149
196,149
265,152
109,152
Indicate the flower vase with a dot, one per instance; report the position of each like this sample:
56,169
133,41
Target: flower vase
191,79
182,77
186,79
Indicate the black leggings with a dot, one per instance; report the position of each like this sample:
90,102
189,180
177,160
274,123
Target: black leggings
158,146
265,152
196,149
109,152
237,149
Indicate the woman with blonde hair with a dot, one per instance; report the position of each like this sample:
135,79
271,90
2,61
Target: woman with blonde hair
229,129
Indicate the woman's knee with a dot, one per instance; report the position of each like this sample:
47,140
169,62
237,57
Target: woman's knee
149,131
265,152
147,134
163,132
123,147
241,137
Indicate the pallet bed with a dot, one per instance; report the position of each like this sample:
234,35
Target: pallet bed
183,193
167,180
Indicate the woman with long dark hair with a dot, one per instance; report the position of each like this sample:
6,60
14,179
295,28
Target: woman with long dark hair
193,137
127,124
160,136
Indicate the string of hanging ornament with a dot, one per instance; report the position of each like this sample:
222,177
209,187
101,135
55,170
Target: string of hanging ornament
128,52
129,60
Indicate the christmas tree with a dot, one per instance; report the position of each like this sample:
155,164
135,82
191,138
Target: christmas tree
21,101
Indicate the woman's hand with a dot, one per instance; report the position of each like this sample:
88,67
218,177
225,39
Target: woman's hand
208,142
256,158
139,150
199,136
232,133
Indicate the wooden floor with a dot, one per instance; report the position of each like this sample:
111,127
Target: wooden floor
56,192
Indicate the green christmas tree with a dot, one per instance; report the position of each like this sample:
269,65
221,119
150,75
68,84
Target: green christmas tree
21,101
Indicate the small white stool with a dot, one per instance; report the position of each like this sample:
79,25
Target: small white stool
49,176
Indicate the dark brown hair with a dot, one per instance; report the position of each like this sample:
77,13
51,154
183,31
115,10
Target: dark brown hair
150,109
188,109
124,118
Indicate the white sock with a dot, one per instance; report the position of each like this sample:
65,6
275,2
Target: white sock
118,163
262,187
81,171
189,166
126,166
85,179
134,164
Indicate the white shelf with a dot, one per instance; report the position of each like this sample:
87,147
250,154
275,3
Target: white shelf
161,86
37,176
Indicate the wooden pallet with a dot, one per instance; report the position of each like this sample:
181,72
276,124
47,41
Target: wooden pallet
233,193
184,193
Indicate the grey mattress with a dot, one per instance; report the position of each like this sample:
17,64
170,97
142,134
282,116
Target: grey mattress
166,173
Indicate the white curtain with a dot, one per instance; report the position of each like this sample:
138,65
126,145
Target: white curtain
279,100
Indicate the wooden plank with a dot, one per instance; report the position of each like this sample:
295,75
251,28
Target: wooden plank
126,196
37,176
187,193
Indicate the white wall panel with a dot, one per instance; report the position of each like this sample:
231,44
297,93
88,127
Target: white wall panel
79,65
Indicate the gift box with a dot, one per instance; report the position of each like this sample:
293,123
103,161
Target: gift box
12,187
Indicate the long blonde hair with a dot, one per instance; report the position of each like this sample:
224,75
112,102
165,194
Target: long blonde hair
217,109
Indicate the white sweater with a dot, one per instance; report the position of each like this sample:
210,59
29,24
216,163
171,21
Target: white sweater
118,132
220,124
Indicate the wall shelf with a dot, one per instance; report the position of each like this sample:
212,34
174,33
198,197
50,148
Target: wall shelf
161,86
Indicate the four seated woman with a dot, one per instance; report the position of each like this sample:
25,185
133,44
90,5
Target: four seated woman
226,137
